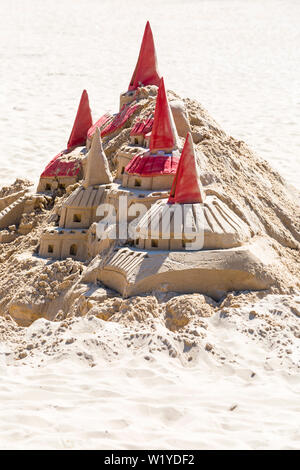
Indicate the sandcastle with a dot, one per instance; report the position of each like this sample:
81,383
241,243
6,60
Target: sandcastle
190,242
189,238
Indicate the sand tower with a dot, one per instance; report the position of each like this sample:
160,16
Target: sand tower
146,69
189,219
155,169
78,211
66,167
191,242
82,123
97,171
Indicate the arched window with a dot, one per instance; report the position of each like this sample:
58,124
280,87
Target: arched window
73,250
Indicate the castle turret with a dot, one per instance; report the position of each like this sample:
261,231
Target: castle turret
189,220
156,168
82,123
187,187
146,70
164,135
97,171
67,166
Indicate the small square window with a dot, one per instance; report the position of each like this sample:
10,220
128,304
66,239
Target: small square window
154,243
77,218
50,248
137,182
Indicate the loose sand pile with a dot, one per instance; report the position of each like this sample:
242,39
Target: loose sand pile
161,370
177,373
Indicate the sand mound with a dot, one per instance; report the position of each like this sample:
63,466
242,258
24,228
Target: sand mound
31,287
183,365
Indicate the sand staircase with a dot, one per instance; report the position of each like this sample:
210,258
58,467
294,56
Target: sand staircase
12,214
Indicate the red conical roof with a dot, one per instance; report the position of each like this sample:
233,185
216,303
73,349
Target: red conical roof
82,123
164,134
187,187
145,71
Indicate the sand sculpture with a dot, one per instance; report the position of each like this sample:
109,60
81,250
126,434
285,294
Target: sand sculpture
215,241
145,153
155,169
78,212
66,168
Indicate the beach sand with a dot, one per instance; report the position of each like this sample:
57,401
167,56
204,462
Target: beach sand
232,383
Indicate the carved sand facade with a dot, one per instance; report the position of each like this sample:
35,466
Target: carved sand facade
138,156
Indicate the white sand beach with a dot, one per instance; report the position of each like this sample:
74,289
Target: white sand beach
88,384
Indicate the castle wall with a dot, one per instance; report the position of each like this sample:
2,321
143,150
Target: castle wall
159,182
137,140
73,217
123,161
155,244
81,248
139,197
60,244
50,246
162,182
51,184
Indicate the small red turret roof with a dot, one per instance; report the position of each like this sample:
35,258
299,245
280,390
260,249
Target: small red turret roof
120,119
146,70
61,166
82,123
187,187
100,124
142,127
164,135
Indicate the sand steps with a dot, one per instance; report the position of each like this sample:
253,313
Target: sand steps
12,214
126,261
8,200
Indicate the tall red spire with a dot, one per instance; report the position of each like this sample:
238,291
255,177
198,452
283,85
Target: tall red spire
164,134
146,71
82,123
187,187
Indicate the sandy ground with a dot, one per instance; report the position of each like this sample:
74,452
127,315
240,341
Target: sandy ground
230,382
